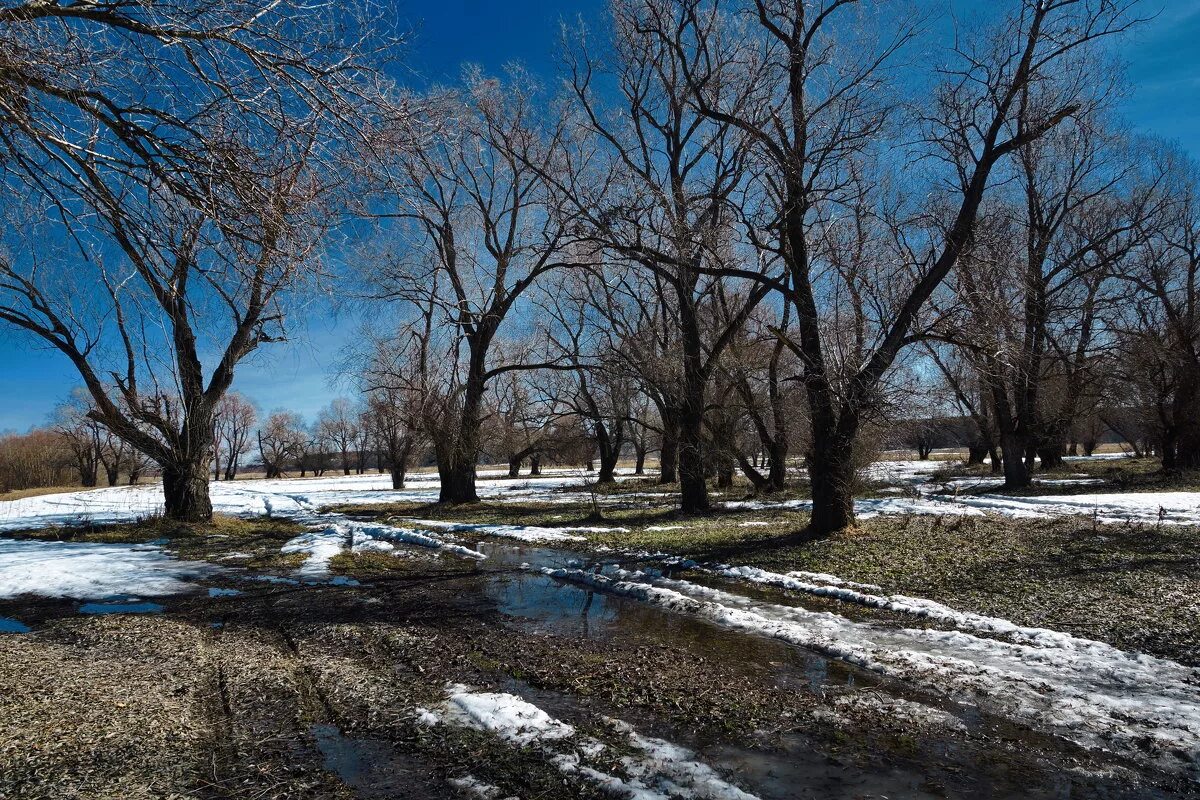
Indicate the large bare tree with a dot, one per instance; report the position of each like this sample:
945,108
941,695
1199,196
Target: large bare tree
178,159
655,180
811,84
478,228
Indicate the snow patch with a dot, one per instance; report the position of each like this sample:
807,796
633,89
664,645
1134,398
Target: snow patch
90,571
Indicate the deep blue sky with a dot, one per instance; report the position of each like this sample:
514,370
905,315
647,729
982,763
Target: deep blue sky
1163,69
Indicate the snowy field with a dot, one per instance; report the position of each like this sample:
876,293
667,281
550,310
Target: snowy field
298,497
287,497
89,571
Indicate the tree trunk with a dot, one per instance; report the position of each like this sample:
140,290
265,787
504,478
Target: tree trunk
185,490
668,458
724,471
976,452
514,467
535,465
639,463
458,482
609,447
693,490
399,449
111,474
777,472
1016,469
761,482
1051,455
831,473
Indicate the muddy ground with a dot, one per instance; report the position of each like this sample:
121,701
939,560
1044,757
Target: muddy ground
313,691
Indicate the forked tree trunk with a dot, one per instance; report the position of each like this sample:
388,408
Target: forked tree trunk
608,446
398,455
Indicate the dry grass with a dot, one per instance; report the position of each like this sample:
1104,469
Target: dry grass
38,491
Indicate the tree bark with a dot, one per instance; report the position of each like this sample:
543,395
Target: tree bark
535,465
458,483
185,489
831,473
668,459
399,472
608,445
1016,471
693,489
514,467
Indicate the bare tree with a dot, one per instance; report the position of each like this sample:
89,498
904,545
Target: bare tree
338,424
654,180
478,228
282,441
809,85
1159,325
179,154
81,434
235,422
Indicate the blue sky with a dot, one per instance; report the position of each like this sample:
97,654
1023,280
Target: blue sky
1163,69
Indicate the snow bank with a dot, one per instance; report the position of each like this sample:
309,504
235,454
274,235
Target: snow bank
1175,508
1146,708
838,589
86,571
285,497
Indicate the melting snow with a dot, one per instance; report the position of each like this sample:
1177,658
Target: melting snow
1089,692
659,770
88,571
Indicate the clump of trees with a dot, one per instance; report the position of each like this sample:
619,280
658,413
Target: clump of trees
34,460
745,235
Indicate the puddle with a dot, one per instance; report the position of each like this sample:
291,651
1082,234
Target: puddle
372,768
8,625
121,608
786,764
549,605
